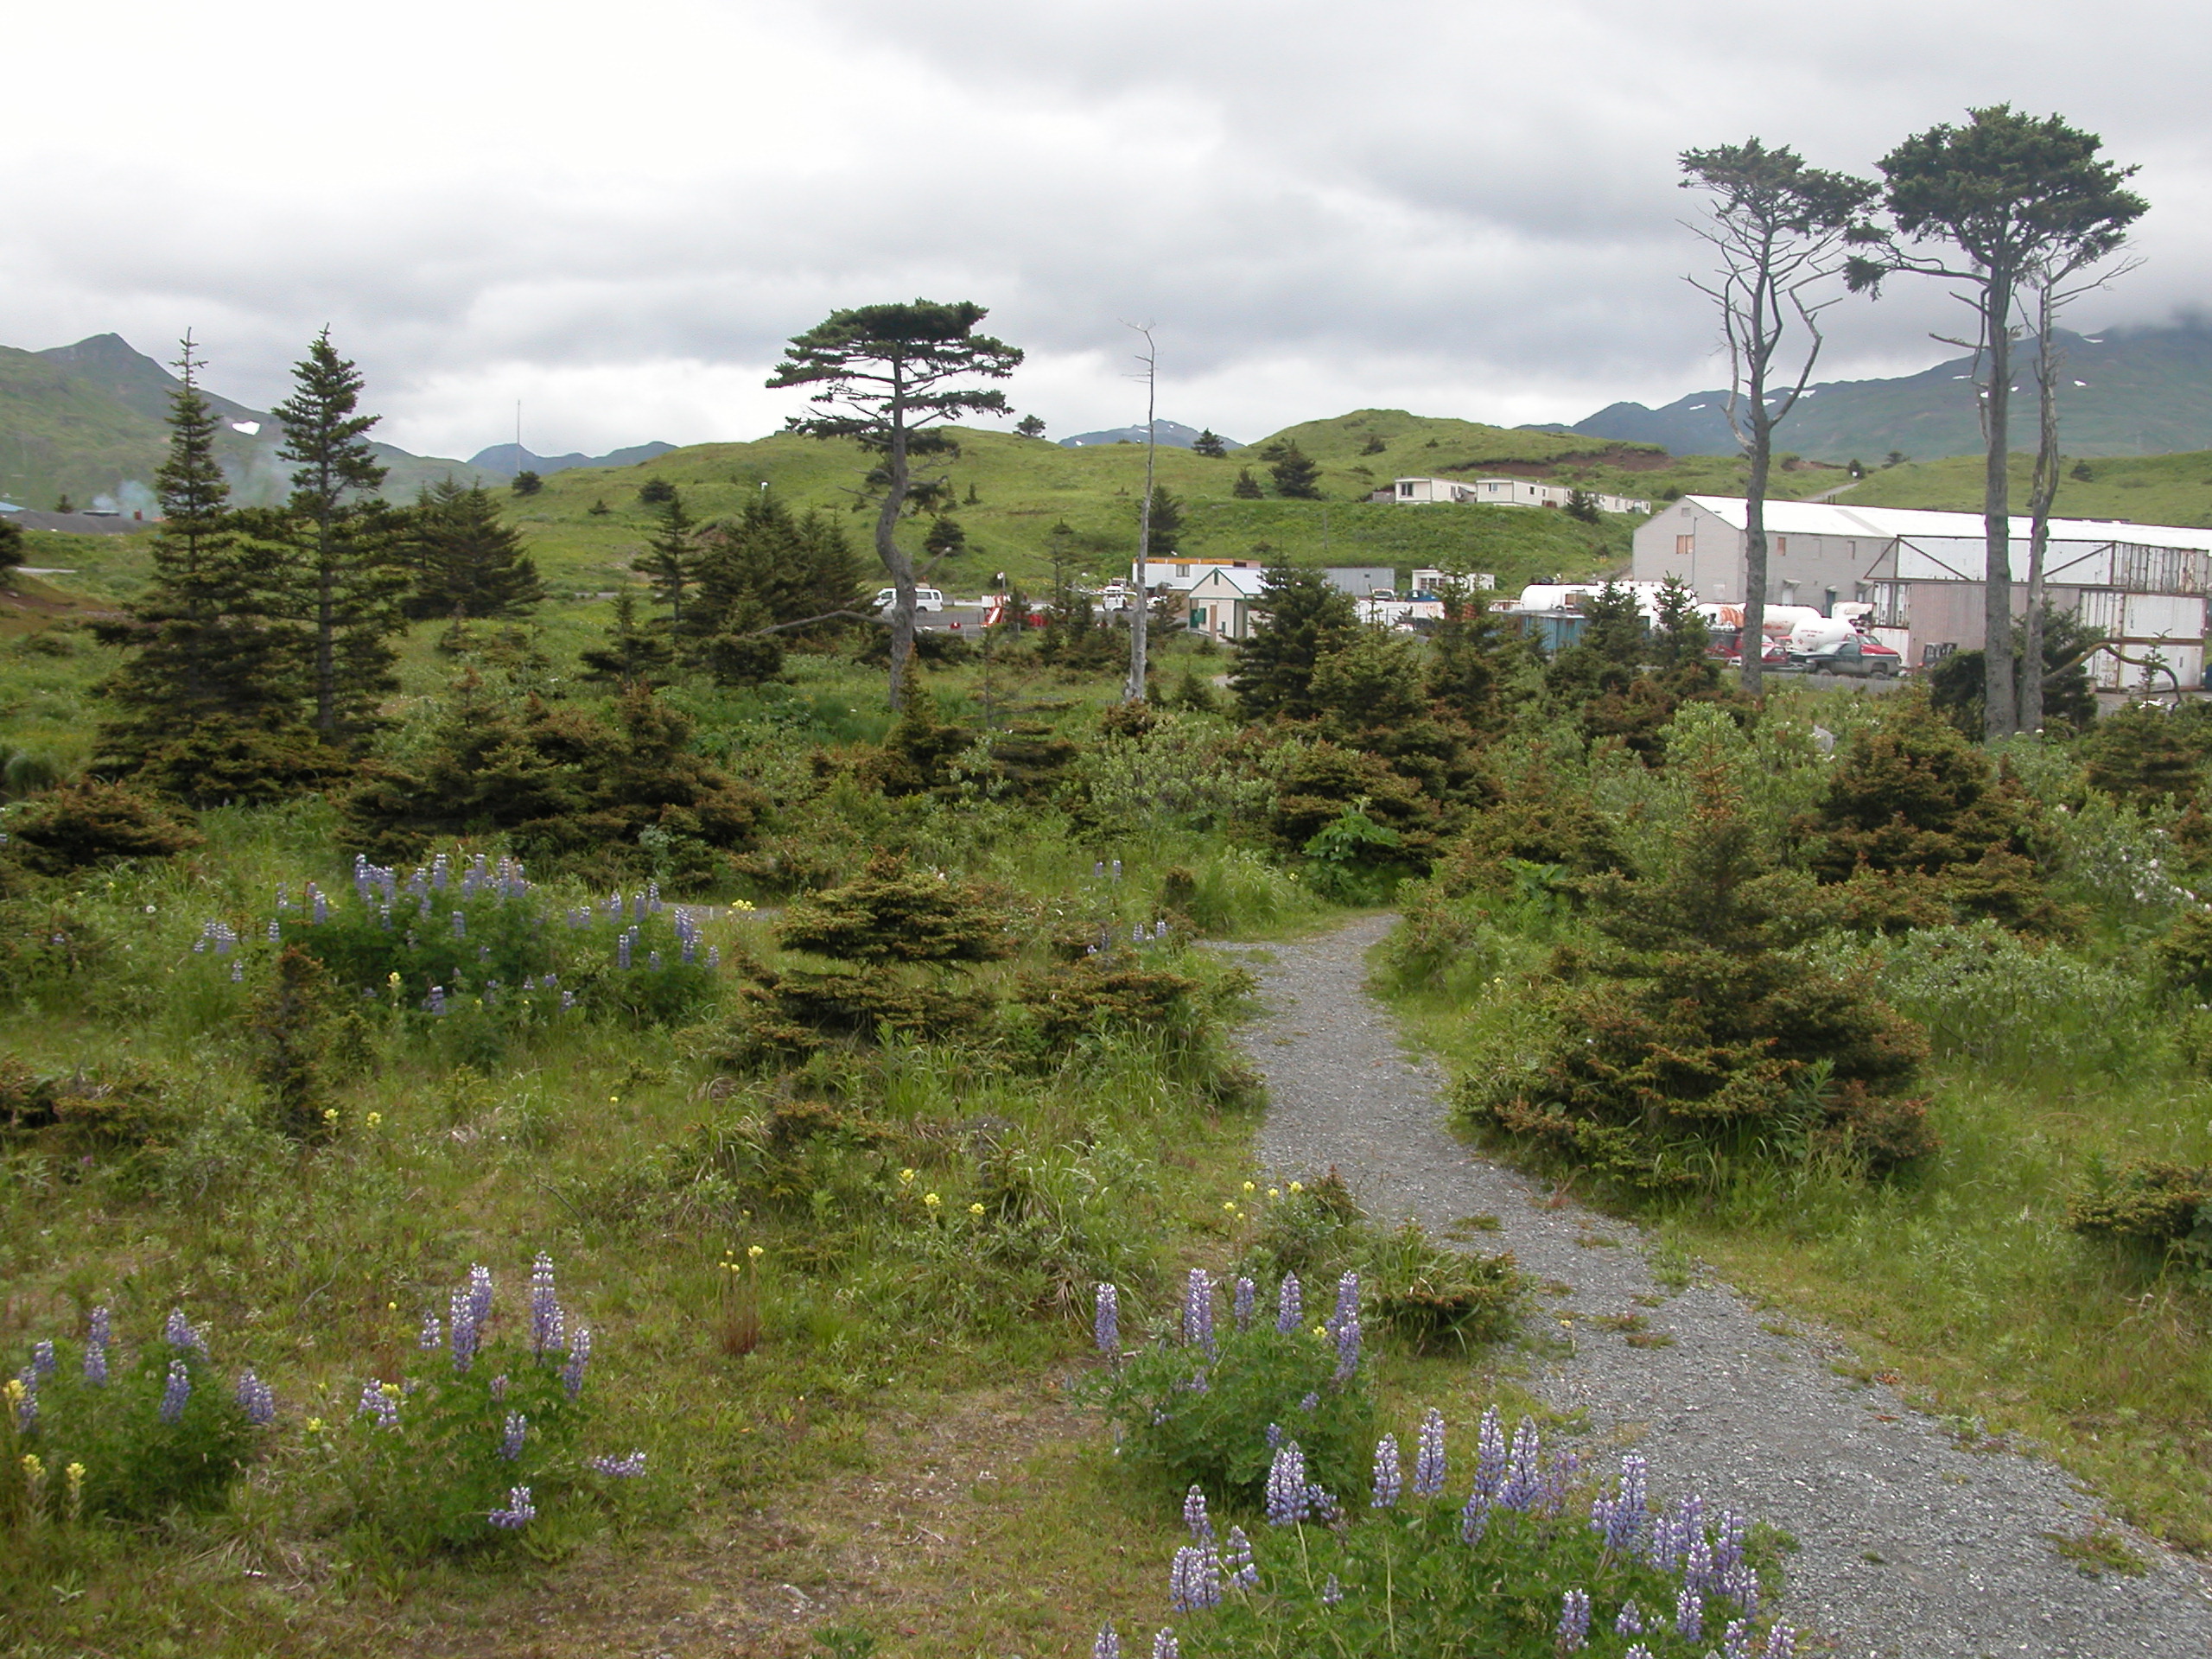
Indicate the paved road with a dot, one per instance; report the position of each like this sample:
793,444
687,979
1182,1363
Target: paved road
1913,1548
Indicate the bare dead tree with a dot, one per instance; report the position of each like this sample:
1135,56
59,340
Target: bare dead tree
2050,294
1778,230
1141,604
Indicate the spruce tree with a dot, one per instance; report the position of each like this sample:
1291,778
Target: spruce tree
1306,620
630,654
669,557
467,561
347,581
11,548
1211,444
768,559
1297,475
1246,488
213,666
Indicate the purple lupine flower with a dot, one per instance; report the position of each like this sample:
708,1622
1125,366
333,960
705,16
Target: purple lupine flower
176,1391
1727,1544
714,956
460,923
1474,1516
1274,1436
1109,1644
520,1512
1735,1640
1197,1310
256,1400
1689,1614
27,1407
548,1326
653,962
435,1003
1332,1592
1194,1514
1117,869
622,950
1347,1300
1389,1477
1310,1401
1559,1478
1240,1304
627,1468
572,1374
1627,1514
1324,1503
433,1337
322,905
1192,1582
462,1334
1106,1325
512,1434
1781,1643
1347,1335
1630,1623
1429,1458
1574,1620
568,1000
238,973
1290,1305
1164,1646
438,869
1523,1482
1697,1563
1288,1502
1237,1565
1490,1454
376,1403
1639,1651
96,1348
276,932
479,1295
179,1334
500,1386
42,1359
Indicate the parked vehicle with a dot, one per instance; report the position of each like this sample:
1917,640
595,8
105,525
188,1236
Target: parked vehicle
926,599
1857,653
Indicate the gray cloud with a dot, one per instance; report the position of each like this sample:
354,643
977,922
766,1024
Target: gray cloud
1470,208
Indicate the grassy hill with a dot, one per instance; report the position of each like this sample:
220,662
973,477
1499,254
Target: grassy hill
2143,489
1016,497
88,420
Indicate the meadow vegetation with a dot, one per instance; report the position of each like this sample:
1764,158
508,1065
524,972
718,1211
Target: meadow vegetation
617,1110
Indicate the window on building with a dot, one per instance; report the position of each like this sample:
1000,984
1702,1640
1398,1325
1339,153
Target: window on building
1781,544
1684,546
1829,604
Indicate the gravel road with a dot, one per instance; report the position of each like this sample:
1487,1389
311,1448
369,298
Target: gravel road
1913,1546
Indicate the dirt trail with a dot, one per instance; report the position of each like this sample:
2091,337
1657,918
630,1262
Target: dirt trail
1912,1546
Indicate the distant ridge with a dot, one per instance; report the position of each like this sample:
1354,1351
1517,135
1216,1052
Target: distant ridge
2135,392
508,459
1172,434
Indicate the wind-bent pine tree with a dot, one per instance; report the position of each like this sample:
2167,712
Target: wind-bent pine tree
468,562
211,660
347,581
888,375
1777,230
2011,195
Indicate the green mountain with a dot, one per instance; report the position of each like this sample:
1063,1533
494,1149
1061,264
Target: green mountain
87,421
2135,392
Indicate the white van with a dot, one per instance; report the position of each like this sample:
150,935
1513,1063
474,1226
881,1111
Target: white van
926,599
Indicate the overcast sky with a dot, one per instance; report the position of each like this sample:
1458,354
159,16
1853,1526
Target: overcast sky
616,213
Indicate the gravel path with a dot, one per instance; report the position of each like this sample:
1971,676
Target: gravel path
1912,1547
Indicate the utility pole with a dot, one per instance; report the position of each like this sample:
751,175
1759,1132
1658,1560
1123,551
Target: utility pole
1140,601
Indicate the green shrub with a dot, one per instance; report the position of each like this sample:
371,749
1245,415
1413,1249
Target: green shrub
89,823
2165,1209
894,913
1527,1567
477,1436
1209,1409
1439,1301
129,1439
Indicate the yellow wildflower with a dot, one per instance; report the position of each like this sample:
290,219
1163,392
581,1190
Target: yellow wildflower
755,1252
905,1178
931,1199
975,1209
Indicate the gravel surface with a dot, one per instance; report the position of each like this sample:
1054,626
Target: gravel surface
1913,1544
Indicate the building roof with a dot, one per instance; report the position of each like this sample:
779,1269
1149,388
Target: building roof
1885,524
1247,584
